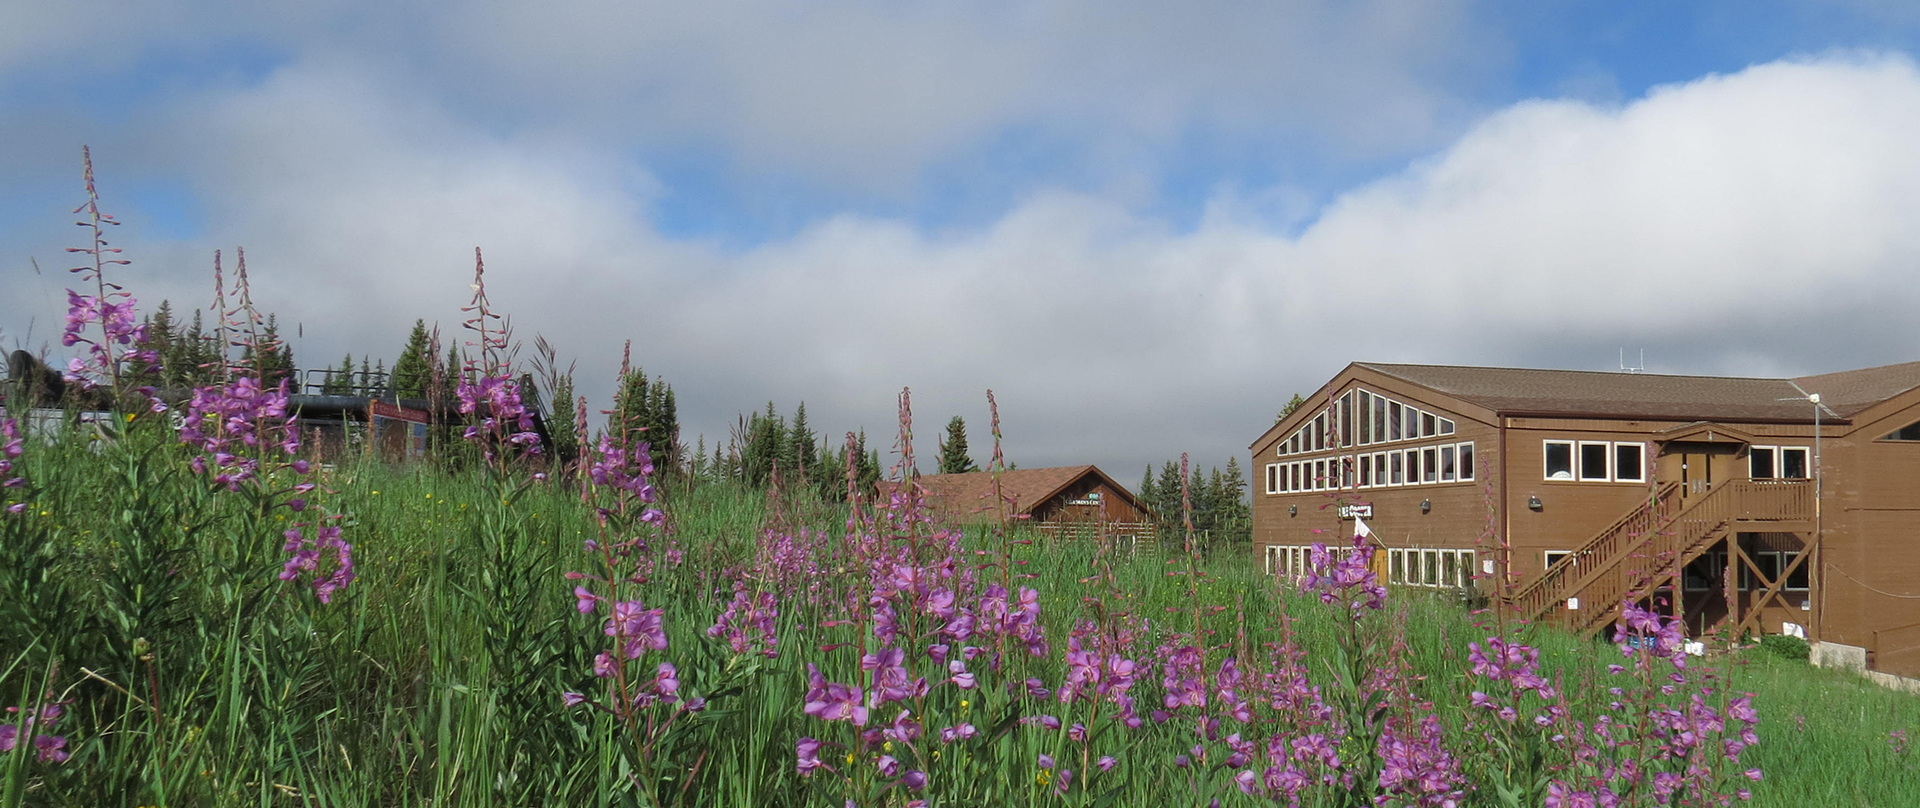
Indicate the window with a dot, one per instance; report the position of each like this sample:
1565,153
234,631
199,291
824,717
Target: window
1446,464
1553,557
1293,444
1593,461
1366,472
1771,563
1319,475
1466,461
1379,469
1366,417
1320,432
1908,432
1703,573
1796,580
1413,423
1428,427
1413,466
1379,419
1393,420
1777,462
1630,462
1346,420
1273,478
1446,426
1397,567
1559,459
1449,569
1793,462
1429,466
1430,566
1396,478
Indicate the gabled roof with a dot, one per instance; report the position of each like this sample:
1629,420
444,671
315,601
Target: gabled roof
1851,391
969,497
1653,396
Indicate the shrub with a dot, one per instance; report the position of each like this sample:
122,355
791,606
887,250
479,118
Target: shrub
1787,646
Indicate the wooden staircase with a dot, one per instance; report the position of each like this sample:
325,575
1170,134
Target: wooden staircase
1647,547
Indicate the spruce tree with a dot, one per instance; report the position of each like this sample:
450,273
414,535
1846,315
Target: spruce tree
1292,404
1147,492
412,371
340,381
953,449
800,437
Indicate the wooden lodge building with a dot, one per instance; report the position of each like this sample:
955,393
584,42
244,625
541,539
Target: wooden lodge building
1764,505
1078,502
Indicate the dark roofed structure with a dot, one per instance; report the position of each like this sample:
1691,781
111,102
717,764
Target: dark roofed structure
1070,501
1654,396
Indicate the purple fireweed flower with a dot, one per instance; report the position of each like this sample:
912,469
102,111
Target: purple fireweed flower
809,756
503,417
837,702
11,447
914,780
888,766
570,700
325,551
748,622
233,425
637,628
1106,763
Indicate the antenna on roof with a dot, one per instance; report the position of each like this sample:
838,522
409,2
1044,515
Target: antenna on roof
1640,368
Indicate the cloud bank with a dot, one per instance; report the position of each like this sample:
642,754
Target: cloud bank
1756,222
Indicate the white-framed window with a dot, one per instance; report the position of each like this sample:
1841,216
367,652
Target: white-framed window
1552,557
1594,461
1771,562
1466,461
1448,464
1430,567
1273,478
1429,465
1398,477
1413,466
1379,468
1630,462
1559,459
1365,417
1778,462
1366,471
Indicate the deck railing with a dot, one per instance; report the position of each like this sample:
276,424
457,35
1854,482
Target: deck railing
1652,542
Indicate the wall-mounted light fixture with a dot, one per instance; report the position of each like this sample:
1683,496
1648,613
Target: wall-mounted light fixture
1293,510
1533,502
1426,505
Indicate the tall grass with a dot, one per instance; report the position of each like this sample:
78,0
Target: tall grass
147,602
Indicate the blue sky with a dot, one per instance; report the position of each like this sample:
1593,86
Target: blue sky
1060,200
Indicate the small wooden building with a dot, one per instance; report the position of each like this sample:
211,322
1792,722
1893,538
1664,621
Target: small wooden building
1079,502
1760,505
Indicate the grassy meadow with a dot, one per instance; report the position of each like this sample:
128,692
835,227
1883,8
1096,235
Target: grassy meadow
148,603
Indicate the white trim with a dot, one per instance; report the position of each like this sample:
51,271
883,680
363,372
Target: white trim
1580,461
1546,472
1639,466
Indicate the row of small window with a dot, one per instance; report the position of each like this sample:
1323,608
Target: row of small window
1705,573
1448,569
1777,462
1448,463
1362,418
1596,461
1294,562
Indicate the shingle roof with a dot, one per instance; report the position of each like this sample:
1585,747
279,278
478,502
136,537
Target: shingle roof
969,497
1655,396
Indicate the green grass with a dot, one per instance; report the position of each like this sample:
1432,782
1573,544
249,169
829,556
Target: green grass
196,677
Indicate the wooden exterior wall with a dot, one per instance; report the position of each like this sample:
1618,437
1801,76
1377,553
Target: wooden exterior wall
1867,589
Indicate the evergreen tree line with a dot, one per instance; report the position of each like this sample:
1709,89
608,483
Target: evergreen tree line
765,445
191,357
1222,518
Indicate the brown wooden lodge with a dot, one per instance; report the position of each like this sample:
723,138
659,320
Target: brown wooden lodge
1070,502
1761,505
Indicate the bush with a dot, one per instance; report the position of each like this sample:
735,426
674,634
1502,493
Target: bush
1787,646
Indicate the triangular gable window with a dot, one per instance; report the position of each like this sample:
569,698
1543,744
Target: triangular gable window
1908,432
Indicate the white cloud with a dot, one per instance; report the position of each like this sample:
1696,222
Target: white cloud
1755,222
